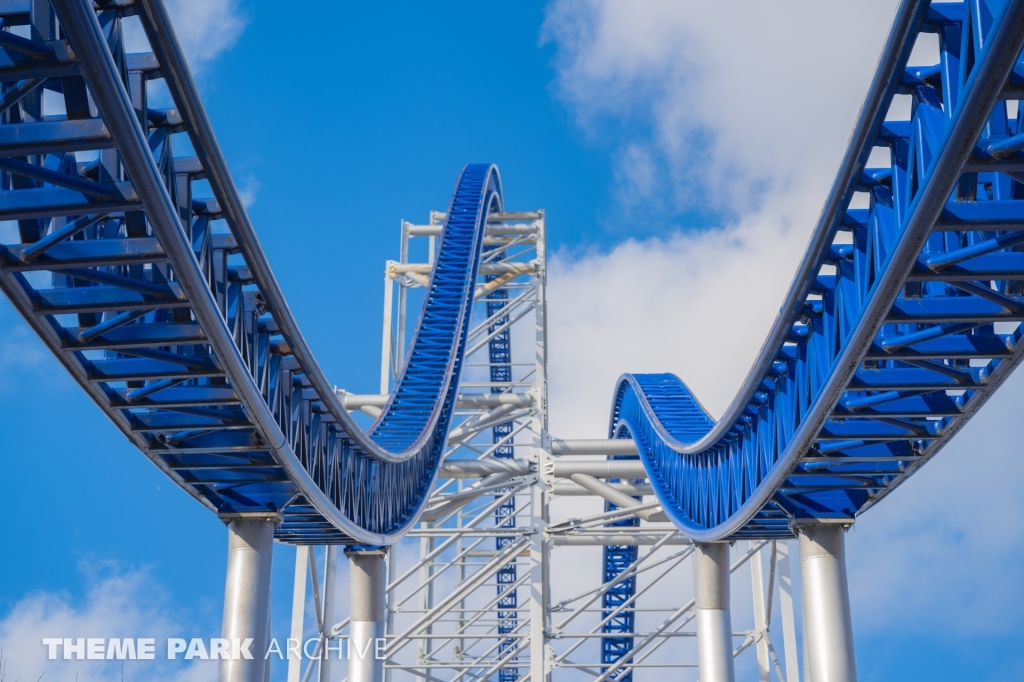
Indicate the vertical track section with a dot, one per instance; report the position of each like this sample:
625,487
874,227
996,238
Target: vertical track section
621,626
500,355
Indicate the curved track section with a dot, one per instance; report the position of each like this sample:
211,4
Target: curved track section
178,330
903,318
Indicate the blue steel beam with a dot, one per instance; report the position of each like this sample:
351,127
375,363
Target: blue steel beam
900,323
619,621
499,350
178,330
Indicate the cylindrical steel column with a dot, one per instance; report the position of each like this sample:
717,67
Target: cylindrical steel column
330,577
247,597
366,631
828,630
714,626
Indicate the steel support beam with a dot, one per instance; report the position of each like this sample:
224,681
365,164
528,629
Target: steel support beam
619,446
298,610
714,625
625,469
828,630
330,578
788,615
616,497
367,601
606,539
570,489
472,468
247,595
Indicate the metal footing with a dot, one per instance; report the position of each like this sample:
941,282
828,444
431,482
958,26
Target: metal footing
828,630
714,626
247,597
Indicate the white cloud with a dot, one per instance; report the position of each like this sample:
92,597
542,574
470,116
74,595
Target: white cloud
744,110
120,604
738,108
946,547
733,99
22,353
249,190
696,304
205,29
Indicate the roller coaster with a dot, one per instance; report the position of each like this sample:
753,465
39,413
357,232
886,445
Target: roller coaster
902,320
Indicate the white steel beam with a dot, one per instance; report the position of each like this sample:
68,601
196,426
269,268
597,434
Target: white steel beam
607,539
298,611
330,578
762,613
621,499
621,446
789,647
472,468
610,468
570,489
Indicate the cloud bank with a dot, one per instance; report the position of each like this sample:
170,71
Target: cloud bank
718,104
744,110
734,107
117,604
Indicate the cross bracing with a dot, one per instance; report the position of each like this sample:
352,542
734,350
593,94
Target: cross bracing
902,320
447,613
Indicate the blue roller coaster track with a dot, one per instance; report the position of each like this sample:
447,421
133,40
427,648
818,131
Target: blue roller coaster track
902,320
180,334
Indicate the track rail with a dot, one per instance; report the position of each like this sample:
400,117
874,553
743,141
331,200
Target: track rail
903,317
181,333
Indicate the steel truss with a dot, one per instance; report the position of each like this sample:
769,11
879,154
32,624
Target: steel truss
904,315
493,584
903,319
163,307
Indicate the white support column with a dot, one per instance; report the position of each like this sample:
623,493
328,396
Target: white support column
298,611
760,617
828,630
330,578
424,649
270,620
789,647
247,595
367,585
540,547
389,598
403,300
386,349
714,626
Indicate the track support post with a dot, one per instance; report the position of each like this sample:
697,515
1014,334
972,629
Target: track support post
828,629
247,596
367,584
714,624
330,577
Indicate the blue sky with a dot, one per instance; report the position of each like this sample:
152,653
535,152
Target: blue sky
676,209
